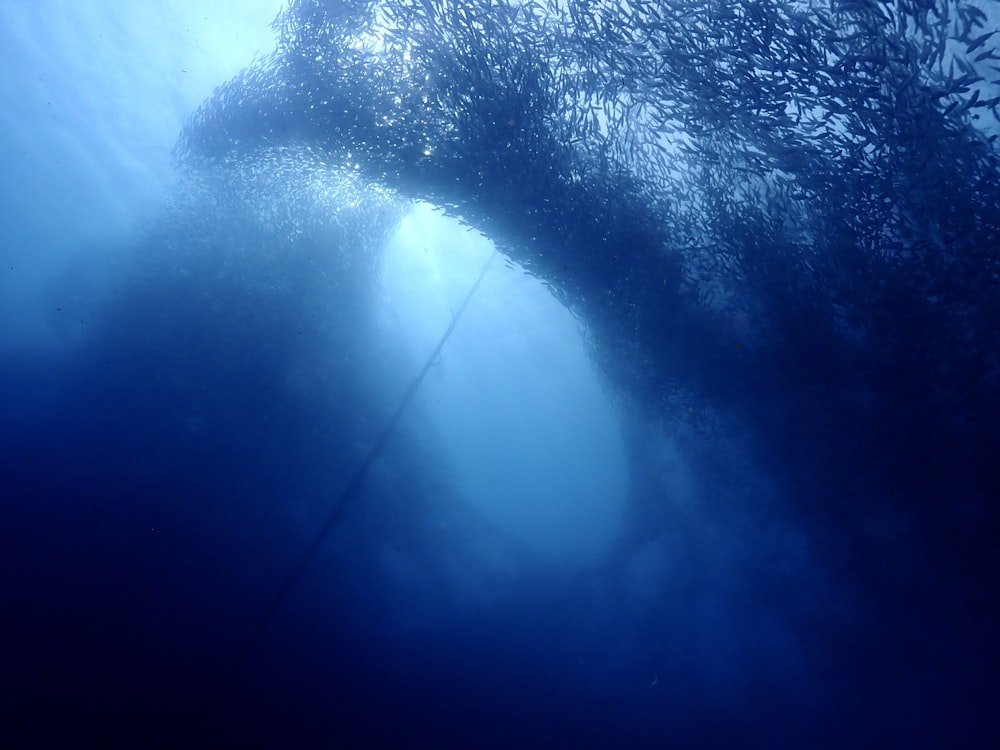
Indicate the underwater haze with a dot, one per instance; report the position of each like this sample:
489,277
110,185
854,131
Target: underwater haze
499,373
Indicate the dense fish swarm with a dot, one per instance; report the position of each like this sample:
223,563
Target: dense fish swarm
778,221
723,191
802,168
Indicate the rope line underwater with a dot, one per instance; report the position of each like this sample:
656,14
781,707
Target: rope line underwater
350,493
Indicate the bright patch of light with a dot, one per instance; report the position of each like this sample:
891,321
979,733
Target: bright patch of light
530,439
370,41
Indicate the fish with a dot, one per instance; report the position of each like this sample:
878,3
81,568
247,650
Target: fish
789,120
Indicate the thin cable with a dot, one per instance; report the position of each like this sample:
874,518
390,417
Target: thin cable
352,491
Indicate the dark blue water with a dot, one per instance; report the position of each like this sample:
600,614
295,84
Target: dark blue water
582,374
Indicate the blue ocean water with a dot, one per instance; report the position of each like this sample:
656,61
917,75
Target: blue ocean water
496,374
